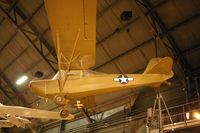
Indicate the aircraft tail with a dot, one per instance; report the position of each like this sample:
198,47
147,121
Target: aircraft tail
160,66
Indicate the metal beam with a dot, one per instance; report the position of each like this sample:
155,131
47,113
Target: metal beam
35,31
119,29
163,34
116,31
122,28
189,50
112,34
157,19
107,8
125,53
8,42
28,38
14,89
33,14
125,26
158,5
10,9
192,17
13,60
6,95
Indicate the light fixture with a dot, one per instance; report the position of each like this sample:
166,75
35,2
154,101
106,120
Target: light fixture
21,80
187,115
197,115
126,15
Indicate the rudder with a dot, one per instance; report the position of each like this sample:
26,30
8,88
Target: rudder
160,66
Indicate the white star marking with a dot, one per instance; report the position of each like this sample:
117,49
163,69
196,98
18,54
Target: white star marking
123,79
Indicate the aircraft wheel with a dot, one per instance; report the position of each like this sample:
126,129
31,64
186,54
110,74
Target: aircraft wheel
64,113
59,100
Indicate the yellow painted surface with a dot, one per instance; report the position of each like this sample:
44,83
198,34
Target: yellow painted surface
74,24
77,86
17,111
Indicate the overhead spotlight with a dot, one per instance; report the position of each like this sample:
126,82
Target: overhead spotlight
196,115
21,80
129,118
106,124
126,15
38,74
187,115
37,104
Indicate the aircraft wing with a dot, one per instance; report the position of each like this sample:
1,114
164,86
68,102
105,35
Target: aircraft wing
73,26
31,113
5,123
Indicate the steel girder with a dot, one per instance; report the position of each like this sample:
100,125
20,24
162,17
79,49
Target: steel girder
155,18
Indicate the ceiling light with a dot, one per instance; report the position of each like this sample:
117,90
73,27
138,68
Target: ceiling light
38,74
126,15
21,80
196,115
187,115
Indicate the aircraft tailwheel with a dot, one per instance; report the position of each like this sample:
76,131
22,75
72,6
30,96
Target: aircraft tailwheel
59,99
64,113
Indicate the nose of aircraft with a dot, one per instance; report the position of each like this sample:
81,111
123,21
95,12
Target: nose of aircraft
38,87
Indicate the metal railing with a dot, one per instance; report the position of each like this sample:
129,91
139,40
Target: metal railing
183,116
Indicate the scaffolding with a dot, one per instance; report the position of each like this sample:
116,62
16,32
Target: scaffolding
173,118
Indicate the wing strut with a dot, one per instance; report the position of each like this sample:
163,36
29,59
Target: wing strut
62,80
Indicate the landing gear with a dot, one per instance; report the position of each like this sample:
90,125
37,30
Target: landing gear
62,101
64,113
59,99
156,112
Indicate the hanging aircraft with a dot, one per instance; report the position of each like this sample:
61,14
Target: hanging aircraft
73,27
16,116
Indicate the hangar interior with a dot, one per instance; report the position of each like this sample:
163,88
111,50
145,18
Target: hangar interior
128,34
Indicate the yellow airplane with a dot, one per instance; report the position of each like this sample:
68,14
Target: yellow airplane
16,115
73,26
